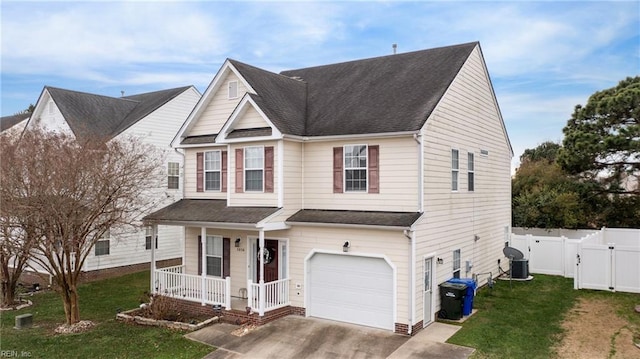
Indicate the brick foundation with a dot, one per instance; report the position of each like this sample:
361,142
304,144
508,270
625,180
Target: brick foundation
238,317
403,329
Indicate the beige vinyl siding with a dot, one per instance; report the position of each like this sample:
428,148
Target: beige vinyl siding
293,175
250,119
468,120
398,177
190,174
303,240
218,109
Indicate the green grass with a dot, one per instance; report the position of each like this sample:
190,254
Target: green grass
524,321
99,302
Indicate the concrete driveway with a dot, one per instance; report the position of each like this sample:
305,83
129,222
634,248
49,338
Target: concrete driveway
298,337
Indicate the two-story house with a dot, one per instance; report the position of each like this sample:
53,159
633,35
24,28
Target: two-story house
153,117
347,191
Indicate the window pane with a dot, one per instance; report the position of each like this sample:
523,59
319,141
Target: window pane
253,180
253,157
212,161
454,180
470,164
214,266
101,248
355,156
214,246
356,180
173,182
471,181
454,159
212,181
173,169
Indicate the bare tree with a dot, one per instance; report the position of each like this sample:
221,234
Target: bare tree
76,192
16,231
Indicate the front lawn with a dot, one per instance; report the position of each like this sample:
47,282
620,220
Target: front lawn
99,302
524,320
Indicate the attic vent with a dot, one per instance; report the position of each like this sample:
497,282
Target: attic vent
484,152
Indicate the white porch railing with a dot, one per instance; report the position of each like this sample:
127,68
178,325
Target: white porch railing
172,282
264,297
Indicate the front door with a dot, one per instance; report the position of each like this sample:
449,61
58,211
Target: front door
270,254
428,291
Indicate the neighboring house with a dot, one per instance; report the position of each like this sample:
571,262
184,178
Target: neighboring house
154,118
14,123
365,184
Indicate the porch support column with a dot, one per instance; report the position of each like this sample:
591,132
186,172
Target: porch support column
154,238
203,275
261,279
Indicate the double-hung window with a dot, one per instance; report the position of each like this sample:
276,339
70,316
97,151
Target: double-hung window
456,263
212,170
101,247
471,172
214,256
355,168
254,168
148,235
173,175
455,168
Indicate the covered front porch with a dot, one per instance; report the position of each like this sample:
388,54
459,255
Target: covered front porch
220,264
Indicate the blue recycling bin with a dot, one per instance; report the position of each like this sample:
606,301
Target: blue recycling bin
467,304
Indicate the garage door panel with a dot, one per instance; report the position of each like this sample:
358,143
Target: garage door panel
352,289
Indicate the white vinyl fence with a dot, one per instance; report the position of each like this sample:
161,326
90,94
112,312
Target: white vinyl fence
608,259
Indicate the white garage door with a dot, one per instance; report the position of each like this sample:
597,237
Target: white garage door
351,289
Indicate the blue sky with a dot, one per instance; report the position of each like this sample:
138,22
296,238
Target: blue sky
543,57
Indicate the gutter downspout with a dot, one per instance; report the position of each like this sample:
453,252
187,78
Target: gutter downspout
410,234
418,138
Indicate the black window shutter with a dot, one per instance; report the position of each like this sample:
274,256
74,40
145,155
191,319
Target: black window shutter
199,255
226,257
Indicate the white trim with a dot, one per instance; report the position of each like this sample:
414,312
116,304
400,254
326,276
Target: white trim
349,137
236,115
394,270
280,171
345,225
433,256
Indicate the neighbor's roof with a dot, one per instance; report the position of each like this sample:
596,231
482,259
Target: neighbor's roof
209,211
368,218
6,122
97,116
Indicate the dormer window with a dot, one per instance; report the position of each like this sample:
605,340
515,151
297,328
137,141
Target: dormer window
233,89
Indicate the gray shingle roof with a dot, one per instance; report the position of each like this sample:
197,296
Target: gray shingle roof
96,116
6,122
370,218
209,210
394,93
197,140
280,97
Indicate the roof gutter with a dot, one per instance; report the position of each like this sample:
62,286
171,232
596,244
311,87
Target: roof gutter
349,137
353,226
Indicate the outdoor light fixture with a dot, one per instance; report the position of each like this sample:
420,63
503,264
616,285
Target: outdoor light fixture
345,246
440,260
237,242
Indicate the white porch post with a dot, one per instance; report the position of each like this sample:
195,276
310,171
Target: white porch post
227,293
154,234
261,282
203,275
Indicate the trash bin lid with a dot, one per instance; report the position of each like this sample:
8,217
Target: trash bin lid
458,286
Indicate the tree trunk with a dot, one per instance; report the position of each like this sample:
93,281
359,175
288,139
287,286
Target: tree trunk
71,304
8,293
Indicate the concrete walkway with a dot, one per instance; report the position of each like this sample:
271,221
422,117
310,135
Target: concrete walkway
298,337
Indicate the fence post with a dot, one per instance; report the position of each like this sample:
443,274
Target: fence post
261,301
227,293
249,294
